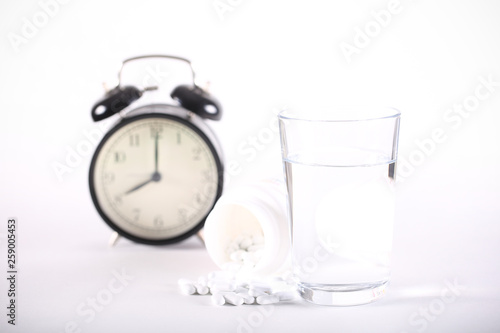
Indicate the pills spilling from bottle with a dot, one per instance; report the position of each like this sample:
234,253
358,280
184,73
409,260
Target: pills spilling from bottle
225,288
246,250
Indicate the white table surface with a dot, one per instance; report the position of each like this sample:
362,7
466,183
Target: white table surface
436,245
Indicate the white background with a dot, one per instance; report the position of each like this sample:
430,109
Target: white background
259,56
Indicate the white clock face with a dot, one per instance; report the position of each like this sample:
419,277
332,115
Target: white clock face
155,178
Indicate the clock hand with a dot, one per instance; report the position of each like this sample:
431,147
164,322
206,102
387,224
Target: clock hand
156,153
139,186
155,177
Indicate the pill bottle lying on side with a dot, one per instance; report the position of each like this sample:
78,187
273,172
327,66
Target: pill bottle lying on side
247,231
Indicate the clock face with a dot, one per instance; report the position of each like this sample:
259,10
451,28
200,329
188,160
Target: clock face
154,178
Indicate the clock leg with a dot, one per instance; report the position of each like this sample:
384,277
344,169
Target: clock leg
113,239
201,236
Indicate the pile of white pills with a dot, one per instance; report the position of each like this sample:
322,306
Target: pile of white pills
224,288
246,250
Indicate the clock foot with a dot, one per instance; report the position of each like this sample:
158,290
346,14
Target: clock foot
201,236
113,239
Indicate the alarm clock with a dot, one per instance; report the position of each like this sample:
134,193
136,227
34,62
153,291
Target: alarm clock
158,172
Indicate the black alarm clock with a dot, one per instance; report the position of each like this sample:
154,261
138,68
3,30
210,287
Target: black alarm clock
158,172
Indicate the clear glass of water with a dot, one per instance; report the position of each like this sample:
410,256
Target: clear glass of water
340,169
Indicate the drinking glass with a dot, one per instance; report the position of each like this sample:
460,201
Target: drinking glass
340,171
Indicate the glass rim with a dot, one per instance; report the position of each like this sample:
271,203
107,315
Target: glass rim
303,117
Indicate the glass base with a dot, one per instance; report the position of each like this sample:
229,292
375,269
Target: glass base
342,294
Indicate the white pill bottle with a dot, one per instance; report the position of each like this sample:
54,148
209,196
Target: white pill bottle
251,216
